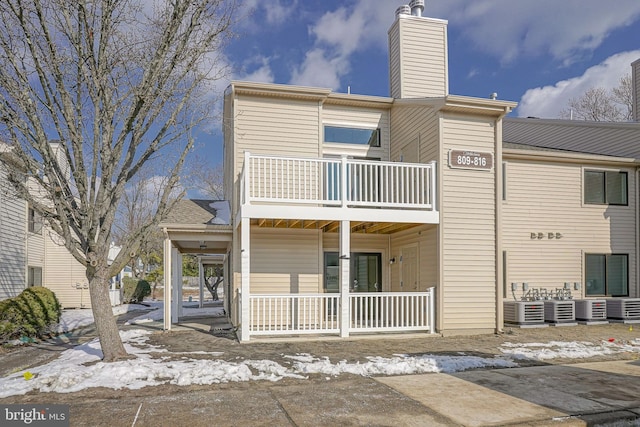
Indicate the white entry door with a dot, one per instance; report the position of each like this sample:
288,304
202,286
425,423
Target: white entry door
409,269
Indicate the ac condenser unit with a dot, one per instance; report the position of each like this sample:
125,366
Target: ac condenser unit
557,311
623,308
591,309
523,312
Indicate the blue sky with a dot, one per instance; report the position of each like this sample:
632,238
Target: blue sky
539,53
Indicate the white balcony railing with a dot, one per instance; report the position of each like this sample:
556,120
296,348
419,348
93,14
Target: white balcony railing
288,314
337,182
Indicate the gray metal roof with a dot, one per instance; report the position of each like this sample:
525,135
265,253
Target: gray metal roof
602,138
191,211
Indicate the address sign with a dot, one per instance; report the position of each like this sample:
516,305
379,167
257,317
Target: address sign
464,159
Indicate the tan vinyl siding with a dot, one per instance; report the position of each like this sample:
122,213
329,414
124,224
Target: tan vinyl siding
228,123
35,249
422,63
544,197
284,261
425,238
635,82
13,228
409,123
62,273
394,62
468,229
277,127
355,117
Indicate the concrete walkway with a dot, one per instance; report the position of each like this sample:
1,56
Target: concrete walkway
579,394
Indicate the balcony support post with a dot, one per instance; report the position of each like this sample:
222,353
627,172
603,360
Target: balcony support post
245,274
344,277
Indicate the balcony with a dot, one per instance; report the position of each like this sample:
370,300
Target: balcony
337,183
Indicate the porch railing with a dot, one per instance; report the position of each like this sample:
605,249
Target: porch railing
337,182
405,311
287,314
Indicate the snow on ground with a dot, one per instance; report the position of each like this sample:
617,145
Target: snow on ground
74,319
568,350
81,367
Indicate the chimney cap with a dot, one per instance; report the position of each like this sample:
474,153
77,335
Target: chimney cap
403,10
417,7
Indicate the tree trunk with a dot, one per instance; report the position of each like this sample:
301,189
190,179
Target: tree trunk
105,321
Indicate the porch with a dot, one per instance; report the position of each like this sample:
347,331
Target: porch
341,196
293,314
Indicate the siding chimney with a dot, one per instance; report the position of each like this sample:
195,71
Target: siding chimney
418,60
635,89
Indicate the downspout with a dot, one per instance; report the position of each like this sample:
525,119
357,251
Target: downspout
637,235
498,225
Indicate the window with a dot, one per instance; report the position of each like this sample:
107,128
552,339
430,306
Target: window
34,276
607,274
605,188
35,221
348,135
504,180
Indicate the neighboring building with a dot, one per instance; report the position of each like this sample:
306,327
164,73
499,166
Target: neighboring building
13,238
354,213
32,254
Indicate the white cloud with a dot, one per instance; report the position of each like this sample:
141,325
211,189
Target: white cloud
320,70
261,70
506,29
338,35
548,101
271,12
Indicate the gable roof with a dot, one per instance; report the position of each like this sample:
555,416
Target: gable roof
600,138
195,211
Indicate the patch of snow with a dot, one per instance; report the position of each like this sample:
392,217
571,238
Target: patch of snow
568,350
223,212
77,318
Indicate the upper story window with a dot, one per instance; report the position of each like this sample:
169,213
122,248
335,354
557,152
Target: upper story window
35,221
351,135
605,188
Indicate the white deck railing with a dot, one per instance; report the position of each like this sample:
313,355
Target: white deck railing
299,313
337,182
320,313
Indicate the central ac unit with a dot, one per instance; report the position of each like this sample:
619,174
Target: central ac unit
523,312
591,309
557,311
623,308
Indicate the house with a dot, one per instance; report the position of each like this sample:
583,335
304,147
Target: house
421,211
32,253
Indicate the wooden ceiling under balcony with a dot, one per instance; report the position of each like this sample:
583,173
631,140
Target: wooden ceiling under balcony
334,226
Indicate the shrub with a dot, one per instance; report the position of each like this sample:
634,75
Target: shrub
135,290
31,314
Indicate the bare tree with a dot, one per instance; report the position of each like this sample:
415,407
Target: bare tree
204,178
598,104
120,84
137,207
213,276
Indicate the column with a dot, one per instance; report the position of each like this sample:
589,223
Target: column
245,274
201,282
344,262
167,284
